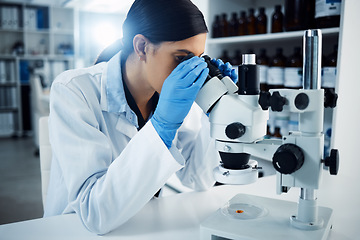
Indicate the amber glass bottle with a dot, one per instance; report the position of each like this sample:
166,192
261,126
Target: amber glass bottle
293,80
251,22
277,20
224,26
216,27
276,81
293,70
327,13
299,14
276,70
225,57
242,24
261,22
263,62
236,60
233,25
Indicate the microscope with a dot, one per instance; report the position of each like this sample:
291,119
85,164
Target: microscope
238,117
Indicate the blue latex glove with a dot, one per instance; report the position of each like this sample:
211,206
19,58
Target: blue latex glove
225,69
177,95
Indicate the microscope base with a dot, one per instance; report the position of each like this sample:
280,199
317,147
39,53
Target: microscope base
252,217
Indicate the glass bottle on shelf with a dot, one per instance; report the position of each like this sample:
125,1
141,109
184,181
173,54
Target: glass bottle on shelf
225,57
261,21
276,81
327,13
236,60
293,80
263,62
328,78
233,25
293,18
224,26
251,22
276,70
293,70
216,27
299,14
242,24
250,51
277,20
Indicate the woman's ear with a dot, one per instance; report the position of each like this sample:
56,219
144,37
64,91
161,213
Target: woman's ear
140,42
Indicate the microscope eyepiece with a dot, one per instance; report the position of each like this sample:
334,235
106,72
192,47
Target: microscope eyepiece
249,83
214,71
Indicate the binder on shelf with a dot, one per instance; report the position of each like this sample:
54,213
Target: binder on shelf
13,100
15,17
5,18
24,72
26,22
10,70
8,98
2,72
7,124
2,98
9,18
40,18
30,19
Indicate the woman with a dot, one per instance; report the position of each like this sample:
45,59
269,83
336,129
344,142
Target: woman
121,128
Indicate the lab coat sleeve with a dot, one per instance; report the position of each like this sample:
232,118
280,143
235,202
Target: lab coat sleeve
198,148
104,190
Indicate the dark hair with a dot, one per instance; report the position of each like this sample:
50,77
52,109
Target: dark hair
159,21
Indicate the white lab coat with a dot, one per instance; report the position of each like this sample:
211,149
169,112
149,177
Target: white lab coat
103,168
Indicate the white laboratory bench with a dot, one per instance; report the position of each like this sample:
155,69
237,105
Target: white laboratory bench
173,217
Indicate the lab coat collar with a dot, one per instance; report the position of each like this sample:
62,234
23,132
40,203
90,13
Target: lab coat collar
113,94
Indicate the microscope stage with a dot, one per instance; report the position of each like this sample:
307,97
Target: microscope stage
252,217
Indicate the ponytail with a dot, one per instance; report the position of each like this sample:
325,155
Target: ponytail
109,51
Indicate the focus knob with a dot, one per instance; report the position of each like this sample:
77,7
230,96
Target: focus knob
330,98
288,158
277,102
333,161
235,130
264,100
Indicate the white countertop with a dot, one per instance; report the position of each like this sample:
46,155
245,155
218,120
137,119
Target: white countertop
173,217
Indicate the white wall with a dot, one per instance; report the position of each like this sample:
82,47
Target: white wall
342,192
90,26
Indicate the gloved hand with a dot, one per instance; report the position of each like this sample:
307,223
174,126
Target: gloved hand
177,95
225,69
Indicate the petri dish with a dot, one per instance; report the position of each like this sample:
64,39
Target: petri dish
243,209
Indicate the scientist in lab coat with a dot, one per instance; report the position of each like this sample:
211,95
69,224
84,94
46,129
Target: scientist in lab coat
121,128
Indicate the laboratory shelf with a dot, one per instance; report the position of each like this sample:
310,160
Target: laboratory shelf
17,30
7,57
63,31
283,36
8,84
8,109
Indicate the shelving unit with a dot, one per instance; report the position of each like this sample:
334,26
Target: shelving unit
10,109
33,36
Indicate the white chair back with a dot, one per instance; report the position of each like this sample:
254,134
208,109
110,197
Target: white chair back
39,104
45,156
